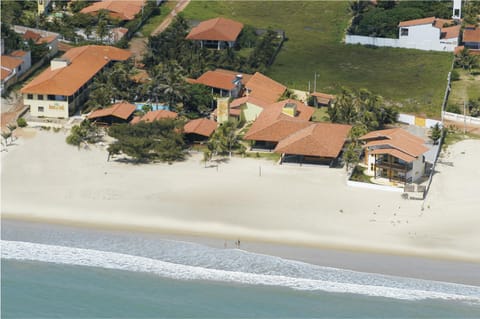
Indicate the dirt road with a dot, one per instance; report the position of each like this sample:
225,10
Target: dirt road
139,44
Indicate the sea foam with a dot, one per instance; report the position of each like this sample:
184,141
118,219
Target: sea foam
112,260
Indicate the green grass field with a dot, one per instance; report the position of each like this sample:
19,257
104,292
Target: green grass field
467,88
155,21
315,29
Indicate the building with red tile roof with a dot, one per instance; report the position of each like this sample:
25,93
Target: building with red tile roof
216,33
277,122
154,116
264,88
117,113
394,154
199,129
117,9
13,66
471,37
223,82
40,37
61,89
321,99
318,142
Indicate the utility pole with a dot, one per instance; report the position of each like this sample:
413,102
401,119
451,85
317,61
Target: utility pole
315,83
464,117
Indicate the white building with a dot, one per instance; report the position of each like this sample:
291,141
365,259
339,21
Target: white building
394,154
429,34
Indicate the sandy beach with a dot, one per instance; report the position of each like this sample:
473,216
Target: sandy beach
46,180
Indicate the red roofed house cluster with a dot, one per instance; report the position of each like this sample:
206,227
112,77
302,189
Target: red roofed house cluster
394,154
63,87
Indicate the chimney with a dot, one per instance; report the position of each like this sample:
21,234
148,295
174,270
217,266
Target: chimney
290,109
59,63
238,80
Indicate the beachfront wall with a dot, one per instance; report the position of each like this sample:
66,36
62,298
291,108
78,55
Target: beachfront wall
251,111
416,120
422,37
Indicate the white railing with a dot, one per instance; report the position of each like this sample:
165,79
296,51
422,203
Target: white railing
461,118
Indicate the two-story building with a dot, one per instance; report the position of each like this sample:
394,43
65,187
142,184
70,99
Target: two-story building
62,89
394,154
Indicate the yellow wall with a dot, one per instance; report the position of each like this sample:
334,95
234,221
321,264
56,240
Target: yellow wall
251,111
420,121
57,109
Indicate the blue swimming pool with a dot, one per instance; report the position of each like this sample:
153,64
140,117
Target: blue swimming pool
155,106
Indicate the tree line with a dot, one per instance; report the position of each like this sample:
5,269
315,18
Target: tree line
171,45
382,19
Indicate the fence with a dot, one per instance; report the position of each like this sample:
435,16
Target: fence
375,41
418,44
412,120
442,138
461,118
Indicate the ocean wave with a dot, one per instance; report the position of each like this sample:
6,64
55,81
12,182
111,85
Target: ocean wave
111,260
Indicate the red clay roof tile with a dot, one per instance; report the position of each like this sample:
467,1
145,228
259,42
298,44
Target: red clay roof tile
204,127
218,29
121,110
86,61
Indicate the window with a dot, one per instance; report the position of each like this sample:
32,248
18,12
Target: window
29,96
457,12
51,97
371,167
40,109
40,96
404,32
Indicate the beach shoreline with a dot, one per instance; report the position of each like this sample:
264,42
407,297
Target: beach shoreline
367,262
308,208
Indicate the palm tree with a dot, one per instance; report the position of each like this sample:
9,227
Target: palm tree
12,128
5,136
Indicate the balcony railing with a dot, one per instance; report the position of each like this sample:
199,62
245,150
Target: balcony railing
393,165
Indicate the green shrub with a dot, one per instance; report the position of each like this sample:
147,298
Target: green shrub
455,76
453,108
21,122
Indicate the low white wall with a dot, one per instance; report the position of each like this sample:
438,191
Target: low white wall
379,42
406,118
375,186
42,124
444,46
460,118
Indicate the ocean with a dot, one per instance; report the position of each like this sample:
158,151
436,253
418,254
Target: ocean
66,272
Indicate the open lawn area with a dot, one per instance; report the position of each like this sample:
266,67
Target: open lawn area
467,88
315,29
